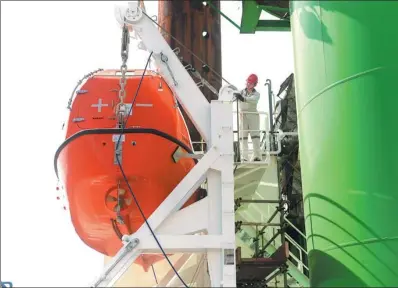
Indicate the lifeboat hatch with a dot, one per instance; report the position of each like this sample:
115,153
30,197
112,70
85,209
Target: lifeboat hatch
96,107
97,112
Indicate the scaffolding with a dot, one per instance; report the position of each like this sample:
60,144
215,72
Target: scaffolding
268,266
261,268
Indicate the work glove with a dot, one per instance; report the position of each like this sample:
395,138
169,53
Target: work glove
239,96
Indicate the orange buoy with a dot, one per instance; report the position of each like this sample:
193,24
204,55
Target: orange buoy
100,203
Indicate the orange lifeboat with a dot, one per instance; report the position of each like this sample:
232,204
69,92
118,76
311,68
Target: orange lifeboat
101,205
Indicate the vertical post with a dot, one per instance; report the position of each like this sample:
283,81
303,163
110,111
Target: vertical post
237,129
283,239
215,202
257,239
221,196
270,116
270,108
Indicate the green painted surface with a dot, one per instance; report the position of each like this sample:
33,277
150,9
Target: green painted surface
273,8
250,21
346,70
250,15
273,25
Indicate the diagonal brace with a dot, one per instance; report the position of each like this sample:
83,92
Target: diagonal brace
184,190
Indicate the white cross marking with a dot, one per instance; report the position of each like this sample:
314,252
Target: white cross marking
99,105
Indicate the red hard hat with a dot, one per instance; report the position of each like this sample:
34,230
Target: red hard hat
252,79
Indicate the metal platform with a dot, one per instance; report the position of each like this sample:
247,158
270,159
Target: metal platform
258,270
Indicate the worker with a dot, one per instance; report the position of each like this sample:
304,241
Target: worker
249,118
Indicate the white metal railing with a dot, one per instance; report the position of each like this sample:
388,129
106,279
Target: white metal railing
298,259
264,146
265,140
295,228
300,262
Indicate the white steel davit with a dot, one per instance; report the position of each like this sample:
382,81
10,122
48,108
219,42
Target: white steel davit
208,226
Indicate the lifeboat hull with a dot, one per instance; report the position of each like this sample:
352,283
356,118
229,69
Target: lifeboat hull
101,204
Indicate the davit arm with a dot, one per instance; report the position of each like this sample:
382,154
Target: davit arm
170,67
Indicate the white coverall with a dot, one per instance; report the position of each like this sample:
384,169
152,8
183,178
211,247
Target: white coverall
250,121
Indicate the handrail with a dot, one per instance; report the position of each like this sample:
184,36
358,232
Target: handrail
253,130
250,112
269,85
295,244
299,262
295,228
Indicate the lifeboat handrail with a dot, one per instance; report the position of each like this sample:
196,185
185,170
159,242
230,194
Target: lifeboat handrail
118,131
80,82
105,73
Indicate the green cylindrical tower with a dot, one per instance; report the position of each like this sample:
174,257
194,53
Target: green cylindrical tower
346,72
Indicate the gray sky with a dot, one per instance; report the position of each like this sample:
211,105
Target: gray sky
46,47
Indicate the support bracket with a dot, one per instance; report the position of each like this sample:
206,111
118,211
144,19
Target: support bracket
179,154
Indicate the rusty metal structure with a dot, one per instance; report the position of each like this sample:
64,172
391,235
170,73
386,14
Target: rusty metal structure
191,25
